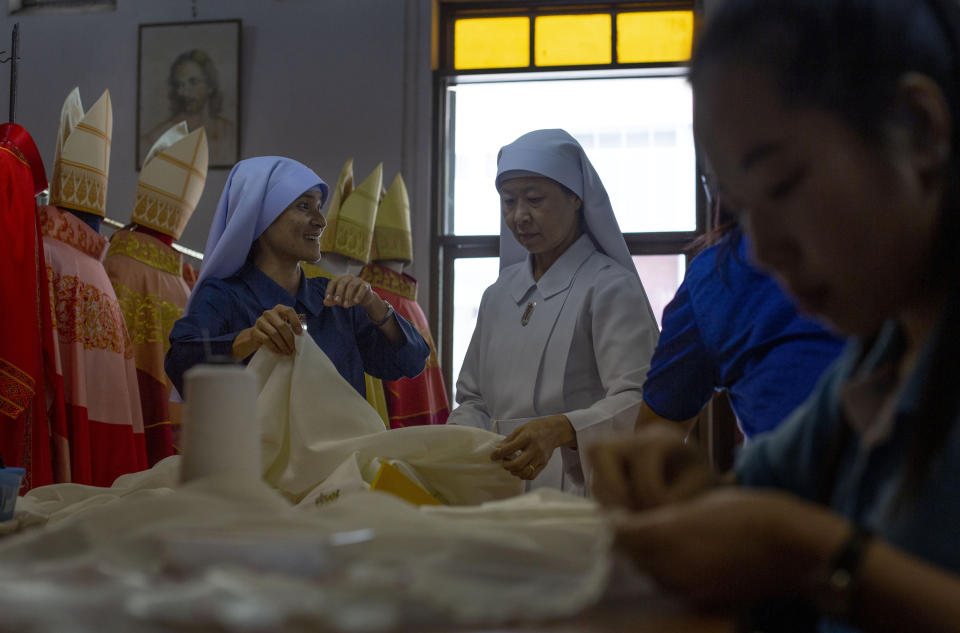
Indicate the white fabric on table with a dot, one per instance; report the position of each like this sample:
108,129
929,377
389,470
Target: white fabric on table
210,555
150,555
319,440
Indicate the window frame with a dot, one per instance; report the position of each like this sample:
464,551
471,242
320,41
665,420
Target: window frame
446,248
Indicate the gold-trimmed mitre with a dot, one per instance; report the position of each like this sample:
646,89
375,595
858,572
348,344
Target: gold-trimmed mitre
82,160
392,238
351,217
343,189
171,181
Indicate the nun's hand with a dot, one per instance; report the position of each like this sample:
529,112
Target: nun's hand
347,291
526,451
274,329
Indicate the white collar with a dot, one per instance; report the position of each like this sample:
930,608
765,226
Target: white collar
558,277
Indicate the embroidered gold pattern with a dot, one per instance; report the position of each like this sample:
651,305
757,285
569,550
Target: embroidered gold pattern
146,251
171,183
13,149
78,188
84,314
391,243
17,387
382,277
70,230
149,318
160,211
352,240
53,300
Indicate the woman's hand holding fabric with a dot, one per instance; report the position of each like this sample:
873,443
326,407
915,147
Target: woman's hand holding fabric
649,469
526,451
733,545
274,329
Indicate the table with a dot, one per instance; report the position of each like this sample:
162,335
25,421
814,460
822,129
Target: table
645,615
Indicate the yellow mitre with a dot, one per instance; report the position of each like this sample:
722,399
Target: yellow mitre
351,217
392,238
171,181
82,160
343,189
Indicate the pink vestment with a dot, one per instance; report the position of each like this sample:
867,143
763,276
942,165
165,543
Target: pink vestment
95,355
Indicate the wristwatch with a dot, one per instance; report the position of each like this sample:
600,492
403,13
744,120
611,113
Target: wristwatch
386,317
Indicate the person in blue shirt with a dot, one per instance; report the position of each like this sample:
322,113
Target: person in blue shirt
833,129
251,292
731,328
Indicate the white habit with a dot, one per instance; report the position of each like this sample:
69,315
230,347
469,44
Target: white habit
585,353
578,341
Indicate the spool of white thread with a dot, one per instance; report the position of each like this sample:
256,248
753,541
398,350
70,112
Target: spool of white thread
221,435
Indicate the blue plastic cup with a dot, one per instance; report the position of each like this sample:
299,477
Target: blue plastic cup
10,479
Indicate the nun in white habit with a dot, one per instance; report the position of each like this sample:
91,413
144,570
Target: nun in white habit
564,337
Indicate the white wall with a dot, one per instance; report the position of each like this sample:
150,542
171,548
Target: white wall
322,80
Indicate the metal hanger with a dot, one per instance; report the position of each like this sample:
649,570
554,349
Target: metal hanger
12,58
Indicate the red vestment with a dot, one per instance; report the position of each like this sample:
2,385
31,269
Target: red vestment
95,355
410,401
32,425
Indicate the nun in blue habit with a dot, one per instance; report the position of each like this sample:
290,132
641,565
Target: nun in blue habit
564,336
252,293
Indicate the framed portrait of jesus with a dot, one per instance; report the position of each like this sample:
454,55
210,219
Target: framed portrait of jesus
190,71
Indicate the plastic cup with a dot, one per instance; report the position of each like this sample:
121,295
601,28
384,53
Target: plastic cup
10,479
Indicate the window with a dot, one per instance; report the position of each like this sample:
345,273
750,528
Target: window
544,37
614,79
637,132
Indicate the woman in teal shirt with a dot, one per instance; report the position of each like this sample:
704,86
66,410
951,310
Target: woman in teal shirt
833,127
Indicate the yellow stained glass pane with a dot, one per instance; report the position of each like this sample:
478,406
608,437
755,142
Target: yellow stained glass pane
491,43
654,36
567,40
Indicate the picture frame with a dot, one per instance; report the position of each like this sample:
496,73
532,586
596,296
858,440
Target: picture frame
190,71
